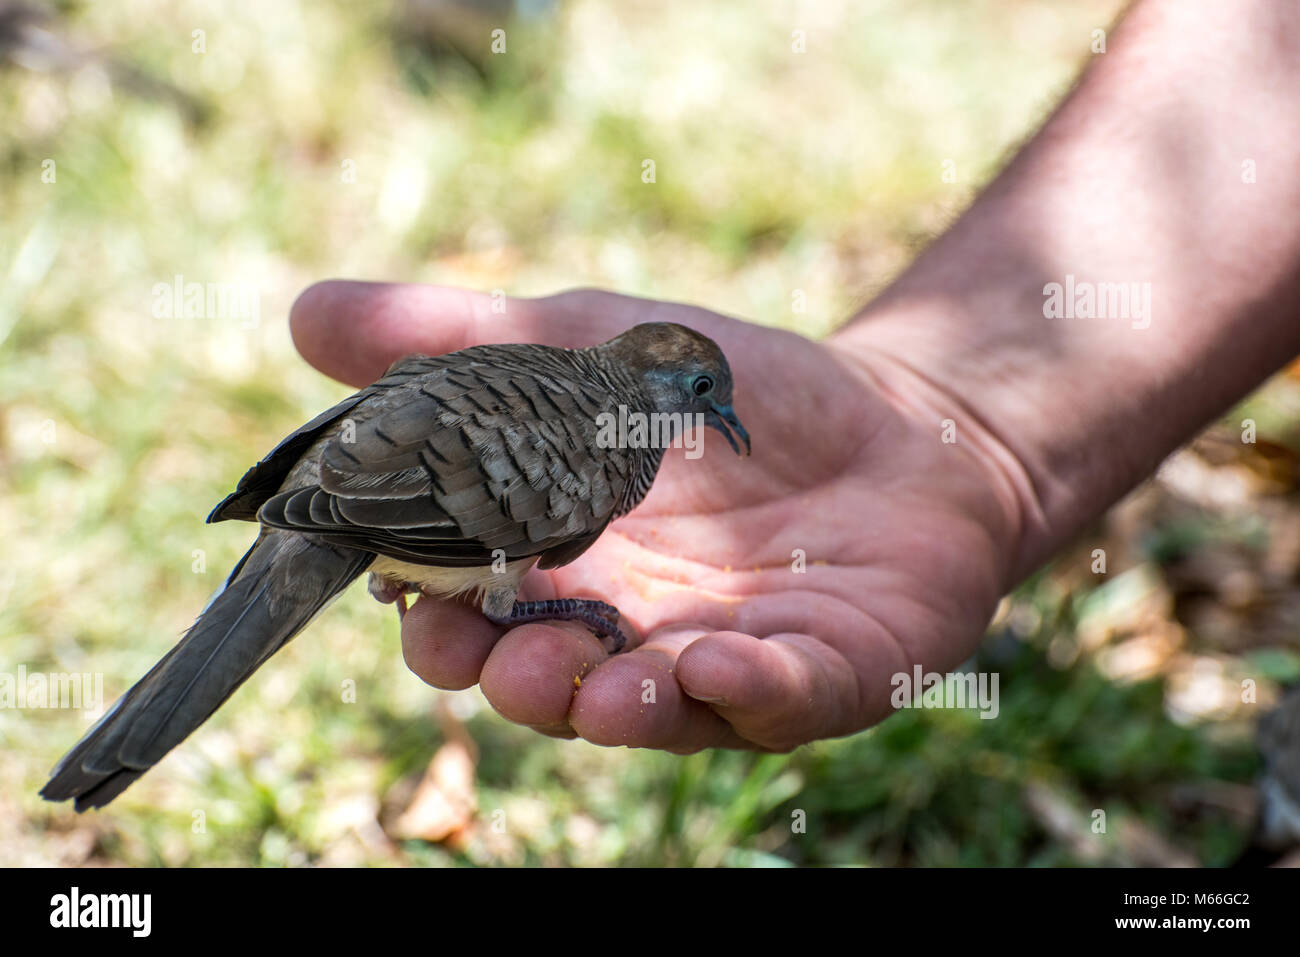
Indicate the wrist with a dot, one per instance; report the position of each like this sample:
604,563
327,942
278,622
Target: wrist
1072,407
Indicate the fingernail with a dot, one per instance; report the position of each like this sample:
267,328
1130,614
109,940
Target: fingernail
707,700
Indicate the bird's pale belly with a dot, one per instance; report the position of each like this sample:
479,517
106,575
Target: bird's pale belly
390,576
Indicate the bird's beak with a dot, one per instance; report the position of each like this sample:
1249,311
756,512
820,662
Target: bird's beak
719,417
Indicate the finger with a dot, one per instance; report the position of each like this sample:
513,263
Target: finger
529,675
353,331
778,692
535,670
446,643
634,699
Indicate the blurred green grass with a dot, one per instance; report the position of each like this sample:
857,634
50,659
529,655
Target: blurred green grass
774,172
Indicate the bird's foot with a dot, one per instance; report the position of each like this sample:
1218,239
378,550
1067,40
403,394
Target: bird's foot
600,617
389,592
385,590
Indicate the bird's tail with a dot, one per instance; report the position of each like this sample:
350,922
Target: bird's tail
273,592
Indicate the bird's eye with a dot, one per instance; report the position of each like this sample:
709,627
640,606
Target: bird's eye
702,385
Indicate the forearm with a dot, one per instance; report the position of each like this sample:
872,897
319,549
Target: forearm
1137,179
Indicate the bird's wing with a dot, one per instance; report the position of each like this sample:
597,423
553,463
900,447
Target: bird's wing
482,454
265,478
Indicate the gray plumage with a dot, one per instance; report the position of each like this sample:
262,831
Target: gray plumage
446,463
452,457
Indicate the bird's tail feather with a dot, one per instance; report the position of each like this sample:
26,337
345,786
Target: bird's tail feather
274,591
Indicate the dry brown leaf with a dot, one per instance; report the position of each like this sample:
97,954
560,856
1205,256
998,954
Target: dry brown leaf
445,800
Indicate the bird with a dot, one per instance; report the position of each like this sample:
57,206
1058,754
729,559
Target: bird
450,476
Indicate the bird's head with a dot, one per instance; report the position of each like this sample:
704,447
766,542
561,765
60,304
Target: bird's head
681,371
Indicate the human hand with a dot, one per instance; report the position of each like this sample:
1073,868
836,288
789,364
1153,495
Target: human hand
908,541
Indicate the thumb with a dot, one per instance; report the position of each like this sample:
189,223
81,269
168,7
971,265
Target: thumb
353,331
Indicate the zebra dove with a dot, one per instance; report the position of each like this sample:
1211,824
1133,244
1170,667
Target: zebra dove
450,476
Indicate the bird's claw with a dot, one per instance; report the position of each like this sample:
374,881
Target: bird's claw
601,617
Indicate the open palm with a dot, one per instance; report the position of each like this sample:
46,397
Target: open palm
776,595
